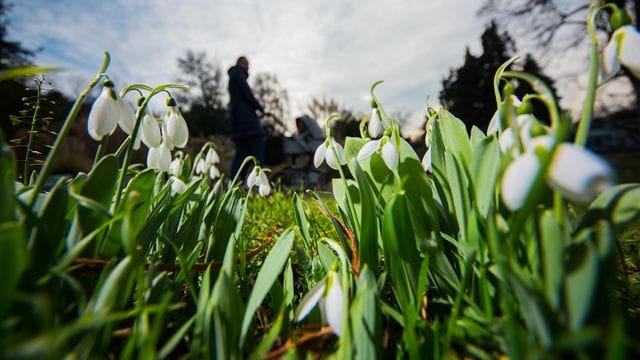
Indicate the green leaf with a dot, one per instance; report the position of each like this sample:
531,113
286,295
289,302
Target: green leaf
7,179
271,268
13,261
485,172
227,315
94,199
552,252
454,137
368,238
303,224
580,282
116,289
620,205
24,71
366,317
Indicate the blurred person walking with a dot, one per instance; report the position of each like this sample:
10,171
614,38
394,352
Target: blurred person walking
243,115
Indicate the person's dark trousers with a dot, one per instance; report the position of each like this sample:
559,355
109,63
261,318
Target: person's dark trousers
254,146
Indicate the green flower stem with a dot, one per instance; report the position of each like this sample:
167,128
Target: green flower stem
100,151
127,153
64,130
351,212
134,134
32,131
590,96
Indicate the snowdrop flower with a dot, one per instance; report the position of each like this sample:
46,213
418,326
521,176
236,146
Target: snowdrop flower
150,131
387,150
105,113
623,48
258,178
201,166
177,186
494,124
331,152
328,293
212,157
127,118
214,173
518,180
175,167
375,127
579,174
426,160
159,158
175,127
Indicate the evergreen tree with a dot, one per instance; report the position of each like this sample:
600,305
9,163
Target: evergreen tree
468,90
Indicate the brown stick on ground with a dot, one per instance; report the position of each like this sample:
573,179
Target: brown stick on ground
277,353
87,265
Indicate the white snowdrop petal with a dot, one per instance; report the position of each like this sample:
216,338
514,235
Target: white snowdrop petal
127,118
368,149
177,130
334,303
200,166
339,152
629,52
177,186
103,116
175,166
212,157
310,300
506,140
214,173
426,160
164,158
150,131
375,127
518,180
494,123
264,189
544,141
331,159
610,64
153,157
390,155
319,155
252,179
579,174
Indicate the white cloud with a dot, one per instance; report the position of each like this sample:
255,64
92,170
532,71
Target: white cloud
333,48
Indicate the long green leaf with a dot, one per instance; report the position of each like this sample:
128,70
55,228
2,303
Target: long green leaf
271,268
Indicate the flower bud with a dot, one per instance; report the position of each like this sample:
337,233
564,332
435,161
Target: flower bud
579,174
619,18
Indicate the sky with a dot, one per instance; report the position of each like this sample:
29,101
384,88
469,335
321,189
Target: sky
330,48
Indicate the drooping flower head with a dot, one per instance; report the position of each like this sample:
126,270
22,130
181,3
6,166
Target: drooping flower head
258,177
150,130
176,133
105,113
375,127
328,293
177,186
331,152
159,158
385,147
623,48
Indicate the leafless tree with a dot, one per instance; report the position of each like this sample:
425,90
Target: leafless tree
274,97
554,26
204,79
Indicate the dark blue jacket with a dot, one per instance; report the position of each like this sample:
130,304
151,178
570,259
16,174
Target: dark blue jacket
242,106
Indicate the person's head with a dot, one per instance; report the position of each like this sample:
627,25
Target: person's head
243,63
